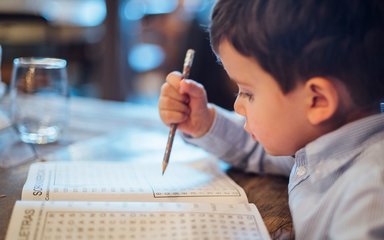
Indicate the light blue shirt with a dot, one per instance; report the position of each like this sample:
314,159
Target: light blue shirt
336,183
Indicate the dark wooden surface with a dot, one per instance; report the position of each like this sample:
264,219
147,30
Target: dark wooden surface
84,138
11,184
270,195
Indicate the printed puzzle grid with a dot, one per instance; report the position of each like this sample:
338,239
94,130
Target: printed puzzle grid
145,225
134,179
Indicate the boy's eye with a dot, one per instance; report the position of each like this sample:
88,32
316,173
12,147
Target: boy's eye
249,96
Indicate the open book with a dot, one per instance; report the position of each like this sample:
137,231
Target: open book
118,200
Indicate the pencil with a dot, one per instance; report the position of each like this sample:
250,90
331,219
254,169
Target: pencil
186,70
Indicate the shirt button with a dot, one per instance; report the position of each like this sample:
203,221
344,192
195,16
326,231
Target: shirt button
301,171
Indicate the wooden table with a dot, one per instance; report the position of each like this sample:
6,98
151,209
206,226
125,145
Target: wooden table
119,131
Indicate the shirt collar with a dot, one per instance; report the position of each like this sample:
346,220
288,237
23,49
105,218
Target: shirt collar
333,150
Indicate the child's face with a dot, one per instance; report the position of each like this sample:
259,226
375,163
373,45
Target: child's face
276,120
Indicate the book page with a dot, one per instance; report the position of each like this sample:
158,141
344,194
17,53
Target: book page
199,181
134,220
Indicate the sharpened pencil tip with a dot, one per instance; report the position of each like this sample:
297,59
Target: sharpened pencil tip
164,167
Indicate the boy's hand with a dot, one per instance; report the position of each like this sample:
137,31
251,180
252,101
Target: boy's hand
184,102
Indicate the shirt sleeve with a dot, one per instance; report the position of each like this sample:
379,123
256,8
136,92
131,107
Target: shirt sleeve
227,140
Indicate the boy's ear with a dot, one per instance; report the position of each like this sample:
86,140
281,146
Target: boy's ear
322,100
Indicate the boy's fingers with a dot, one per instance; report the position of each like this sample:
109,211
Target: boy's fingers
170,117
169,91
192,89
174,79
168,104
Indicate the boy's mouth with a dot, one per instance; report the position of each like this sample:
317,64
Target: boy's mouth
253,136
250,133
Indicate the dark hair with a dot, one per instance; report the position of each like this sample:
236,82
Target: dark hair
295,40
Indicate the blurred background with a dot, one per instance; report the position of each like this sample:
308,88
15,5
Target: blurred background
116,49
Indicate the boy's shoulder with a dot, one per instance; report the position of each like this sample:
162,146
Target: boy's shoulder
372,151
366,170
353,151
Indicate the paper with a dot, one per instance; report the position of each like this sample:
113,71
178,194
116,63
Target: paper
112,200
111,181
129,220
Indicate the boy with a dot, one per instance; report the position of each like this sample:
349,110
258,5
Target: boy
310,78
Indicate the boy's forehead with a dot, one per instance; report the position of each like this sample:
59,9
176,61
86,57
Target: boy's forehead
239,68
228,56
226,48
226,52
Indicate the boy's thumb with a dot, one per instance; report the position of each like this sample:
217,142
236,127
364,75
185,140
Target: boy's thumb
191,88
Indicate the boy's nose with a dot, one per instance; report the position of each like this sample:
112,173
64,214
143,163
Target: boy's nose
238,107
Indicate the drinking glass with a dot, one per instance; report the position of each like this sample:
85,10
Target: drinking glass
39,98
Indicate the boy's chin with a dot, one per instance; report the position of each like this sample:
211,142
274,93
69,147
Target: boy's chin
279,152
274,151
